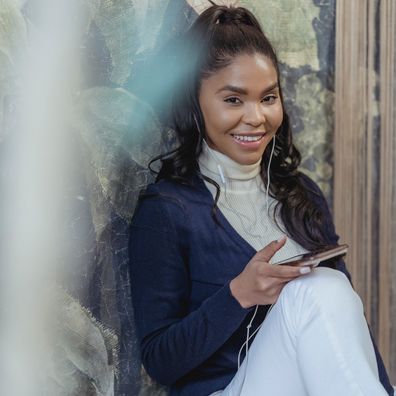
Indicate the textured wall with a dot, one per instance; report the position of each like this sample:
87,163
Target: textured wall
114,131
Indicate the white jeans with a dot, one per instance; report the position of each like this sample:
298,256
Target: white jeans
315,341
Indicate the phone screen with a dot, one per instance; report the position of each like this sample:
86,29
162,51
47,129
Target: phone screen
315,257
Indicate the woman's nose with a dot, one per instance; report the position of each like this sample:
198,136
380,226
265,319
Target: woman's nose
254,114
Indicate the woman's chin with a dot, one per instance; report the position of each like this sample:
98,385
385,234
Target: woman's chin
247,159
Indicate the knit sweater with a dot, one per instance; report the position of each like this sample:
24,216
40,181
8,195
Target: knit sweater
243,202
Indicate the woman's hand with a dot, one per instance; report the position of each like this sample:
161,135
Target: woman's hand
261,282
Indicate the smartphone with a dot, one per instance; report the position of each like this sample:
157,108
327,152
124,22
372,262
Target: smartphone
314,258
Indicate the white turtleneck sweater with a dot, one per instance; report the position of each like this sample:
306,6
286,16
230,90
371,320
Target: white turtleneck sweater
243,203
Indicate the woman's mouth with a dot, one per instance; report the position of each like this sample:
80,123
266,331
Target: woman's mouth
248,141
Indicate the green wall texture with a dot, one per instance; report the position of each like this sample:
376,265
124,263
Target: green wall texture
114,131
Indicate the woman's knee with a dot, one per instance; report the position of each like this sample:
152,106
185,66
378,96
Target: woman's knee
326,287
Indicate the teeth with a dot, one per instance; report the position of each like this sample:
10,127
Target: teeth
248,138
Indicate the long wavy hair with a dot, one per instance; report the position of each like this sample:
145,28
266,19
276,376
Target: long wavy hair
217,36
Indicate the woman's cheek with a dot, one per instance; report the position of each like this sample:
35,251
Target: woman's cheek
227,119
279,116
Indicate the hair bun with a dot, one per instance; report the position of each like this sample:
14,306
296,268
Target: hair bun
234,15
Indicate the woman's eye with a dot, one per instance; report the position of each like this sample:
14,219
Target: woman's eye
270,99
267,99
232,100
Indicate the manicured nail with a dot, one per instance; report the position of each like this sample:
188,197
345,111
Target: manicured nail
281,239
305,270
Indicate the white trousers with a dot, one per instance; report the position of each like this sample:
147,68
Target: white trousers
314,342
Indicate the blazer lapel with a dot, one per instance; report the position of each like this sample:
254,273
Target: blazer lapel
227,227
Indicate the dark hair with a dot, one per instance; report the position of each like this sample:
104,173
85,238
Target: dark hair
218,35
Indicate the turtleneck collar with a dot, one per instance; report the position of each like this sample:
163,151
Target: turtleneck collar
234,173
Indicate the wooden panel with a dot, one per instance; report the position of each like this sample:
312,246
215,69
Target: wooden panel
387,159
353,171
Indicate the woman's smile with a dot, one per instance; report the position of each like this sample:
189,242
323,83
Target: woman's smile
249,141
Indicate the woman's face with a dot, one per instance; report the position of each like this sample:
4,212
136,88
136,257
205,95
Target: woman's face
242,108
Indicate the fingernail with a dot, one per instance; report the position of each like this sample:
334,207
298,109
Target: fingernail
281,239
305,270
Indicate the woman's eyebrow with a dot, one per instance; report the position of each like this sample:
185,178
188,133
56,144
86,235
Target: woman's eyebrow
243,91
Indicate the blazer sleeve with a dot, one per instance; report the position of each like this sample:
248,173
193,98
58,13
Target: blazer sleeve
173,341
333,238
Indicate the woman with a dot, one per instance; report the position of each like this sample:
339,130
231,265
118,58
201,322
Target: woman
226,203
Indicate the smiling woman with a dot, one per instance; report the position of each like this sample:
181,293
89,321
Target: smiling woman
227,202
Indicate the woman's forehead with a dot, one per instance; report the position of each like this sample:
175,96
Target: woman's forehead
247,72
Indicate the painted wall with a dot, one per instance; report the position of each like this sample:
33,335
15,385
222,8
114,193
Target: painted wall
115,131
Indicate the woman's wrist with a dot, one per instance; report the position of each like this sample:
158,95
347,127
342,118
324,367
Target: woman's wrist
237,293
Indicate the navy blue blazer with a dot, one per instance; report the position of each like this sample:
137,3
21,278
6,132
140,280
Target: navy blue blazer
190,327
